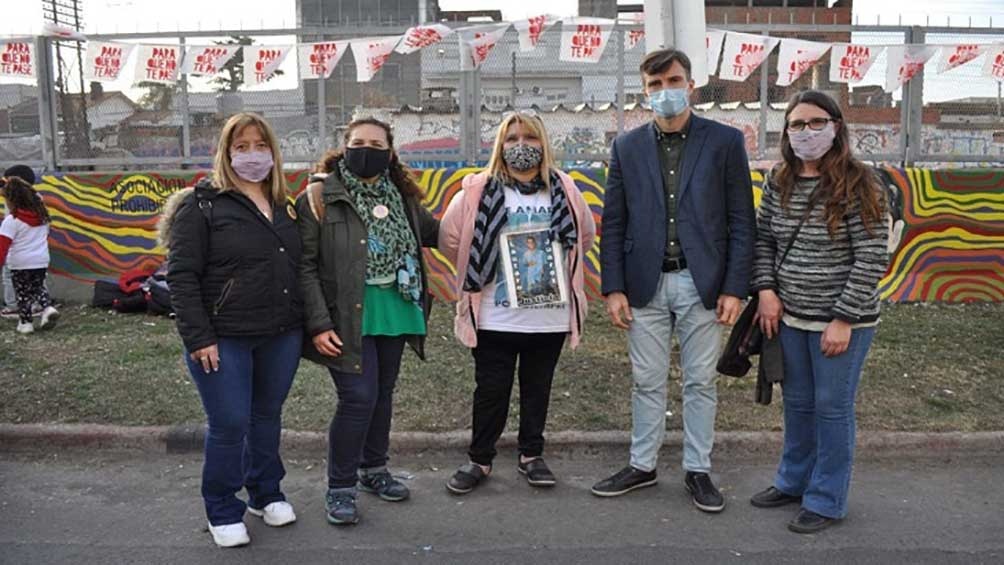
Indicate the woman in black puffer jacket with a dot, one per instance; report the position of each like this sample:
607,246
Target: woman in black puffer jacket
232,270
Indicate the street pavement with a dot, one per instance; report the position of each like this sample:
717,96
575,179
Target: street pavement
85,507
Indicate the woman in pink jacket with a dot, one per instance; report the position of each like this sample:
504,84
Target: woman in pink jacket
509,310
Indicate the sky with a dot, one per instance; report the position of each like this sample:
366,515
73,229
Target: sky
110,16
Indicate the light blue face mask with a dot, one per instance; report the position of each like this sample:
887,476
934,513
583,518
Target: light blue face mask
668,102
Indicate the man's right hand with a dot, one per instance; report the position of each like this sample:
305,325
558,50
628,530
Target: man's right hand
619,310
328,343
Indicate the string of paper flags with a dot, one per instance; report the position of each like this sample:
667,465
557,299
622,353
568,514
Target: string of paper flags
583,40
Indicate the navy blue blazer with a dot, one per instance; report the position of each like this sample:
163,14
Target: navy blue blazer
716,222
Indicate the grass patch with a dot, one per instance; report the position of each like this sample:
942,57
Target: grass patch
931,368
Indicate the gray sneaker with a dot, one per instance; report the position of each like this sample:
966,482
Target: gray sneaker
340,505
384,485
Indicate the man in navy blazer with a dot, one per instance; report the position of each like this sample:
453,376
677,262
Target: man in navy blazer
676,254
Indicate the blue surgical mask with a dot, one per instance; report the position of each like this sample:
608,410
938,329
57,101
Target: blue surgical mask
668,102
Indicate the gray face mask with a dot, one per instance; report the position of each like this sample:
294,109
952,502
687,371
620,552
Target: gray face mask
522,157
809,144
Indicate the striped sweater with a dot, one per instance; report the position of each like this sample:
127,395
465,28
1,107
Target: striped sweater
822,278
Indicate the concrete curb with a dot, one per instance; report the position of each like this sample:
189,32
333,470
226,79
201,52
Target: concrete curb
189,438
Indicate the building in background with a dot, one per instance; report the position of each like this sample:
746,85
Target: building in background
397,83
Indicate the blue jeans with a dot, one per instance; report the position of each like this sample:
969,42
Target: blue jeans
243,404
359,435
819,421
675,306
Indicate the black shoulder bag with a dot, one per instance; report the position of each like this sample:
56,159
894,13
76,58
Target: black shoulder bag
746,338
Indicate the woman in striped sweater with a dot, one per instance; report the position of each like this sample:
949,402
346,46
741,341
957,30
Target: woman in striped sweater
822,301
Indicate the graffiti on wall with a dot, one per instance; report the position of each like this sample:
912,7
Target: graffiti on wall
952,246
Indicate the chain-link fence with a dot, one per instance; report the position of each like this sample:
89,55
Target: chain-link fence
443,116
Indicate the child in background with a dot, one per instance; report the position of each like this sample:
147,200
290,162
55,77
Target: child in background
24,241
10,310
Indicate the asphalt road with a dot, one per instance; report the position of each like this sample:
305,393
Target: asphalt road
137,507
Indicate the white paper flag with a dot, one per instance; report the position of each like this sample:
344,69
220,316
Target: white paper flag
905,61
207,60
370,54
994,67
584,39
17,59
850,63
477,42
317,60
103,62
743,53
261,62
713,39
633,34
420,37
531,29
795,57
957,55
158,63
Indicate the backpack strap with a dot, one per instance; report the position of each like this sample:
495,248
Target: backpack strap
314,198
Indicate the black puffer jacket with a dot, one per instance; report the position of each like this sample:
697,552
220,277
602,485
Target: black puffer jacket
230,271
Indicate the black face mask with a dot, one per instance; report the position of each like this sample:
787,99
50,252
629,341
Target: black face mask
367,162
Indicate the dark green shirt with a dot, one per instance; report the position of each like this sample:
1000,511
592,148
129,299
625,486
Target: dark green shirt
671,146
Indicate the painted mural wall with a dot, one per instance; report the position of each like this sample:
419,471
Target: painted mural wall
952,245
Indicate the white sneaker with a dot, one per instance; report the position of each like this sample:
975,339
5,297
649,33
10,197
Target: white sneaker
49,317
230,535
25,328
276,514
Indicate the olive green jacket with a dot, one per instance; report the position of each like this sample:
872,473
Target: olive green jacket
333,271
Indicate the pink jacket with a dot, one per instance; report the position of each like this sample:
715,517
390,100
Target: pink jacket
456,233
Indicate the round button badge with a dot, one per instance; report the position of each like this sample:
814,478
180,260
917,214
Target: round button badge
380,211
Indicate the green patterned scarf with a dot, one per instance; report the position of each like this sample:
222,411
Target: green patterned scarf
393,249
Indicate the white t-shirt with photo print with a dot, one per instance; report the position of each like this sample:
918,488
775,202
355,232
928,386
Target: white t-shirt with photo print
523,212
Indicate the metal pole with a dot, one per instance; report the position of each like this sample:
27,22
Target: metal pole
515,90
322,115
764,105
913,106
186,115
46,104
621,96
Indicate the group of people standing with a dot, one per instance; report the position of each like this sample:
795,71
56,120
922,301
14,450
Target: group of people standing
339,278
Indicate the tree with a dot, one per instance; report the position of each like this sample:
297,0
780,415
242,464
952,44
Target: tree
158,96
232,73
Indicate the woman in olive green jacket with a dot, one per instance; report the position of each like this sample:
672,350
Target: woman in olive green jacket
365,295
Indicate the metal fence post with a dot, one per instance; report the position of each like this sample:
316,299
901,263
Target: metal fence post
761,143
47,118
470,116
186,116
322,116
620,84
912,114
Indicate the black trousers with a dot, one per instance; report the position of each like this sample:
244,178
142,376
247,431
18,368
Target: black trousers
495,360
29,288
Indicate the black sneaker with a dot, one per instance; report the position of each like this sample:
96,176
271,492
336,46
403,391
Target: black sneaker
340,505
808,522
703,492
624,481
537,473
773,498
384,485
468,476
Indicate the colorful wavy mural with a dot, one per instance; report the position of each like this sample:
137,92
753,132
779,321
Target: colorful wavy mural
952,246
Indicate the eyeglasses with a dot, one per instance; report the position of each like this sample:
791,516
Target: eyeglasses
816,124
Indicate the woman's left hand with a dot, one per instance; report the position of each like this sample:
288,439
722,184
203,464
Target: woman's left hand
836,337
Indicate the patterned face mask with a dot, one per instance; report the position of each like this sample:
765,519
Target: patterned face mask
522,157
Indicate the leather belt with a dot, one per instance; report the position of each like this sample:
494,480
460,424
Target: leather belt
671,265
